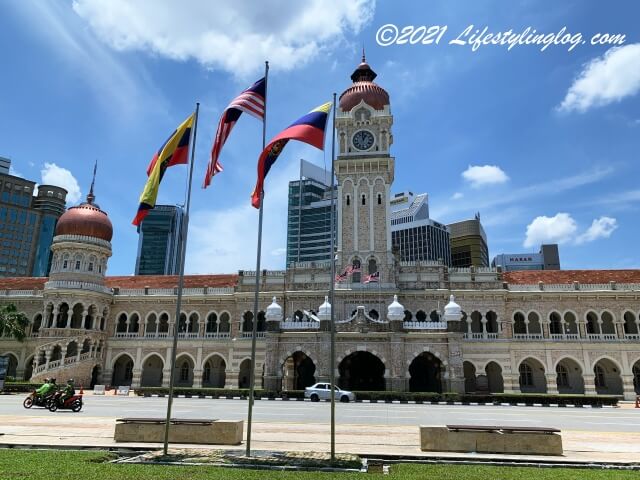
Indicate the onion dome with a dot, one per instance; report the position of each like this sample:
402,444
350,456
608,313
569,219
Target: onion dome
274,312
395,311
324,312
85,219
364,88
452,312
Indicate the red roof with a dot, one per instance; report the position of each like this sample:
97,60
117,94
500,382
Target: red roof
132,281
569,276
170,281
22,283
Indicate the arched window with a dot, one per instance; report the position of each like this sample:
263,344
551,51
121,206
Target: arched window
373,266
599,378
184,371
356,271
128,370
563,376
526,375
206,374
364,199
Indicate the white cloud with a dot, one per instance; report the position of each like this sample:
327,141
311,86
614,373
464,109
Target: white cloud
457,196
233,36
52,174
560,228
480,176
605,80
279,252
601,227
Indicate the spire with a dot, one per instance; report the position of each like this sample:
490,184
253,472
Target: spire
90,196
364,60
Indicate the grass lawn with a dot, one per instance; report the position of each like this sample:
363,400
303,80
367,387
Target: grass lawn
54,465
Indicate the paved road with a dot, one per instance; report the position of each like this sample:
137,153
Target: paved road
586,419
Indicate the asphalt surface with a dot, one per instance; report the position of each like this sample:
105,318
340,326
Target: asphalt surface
586,419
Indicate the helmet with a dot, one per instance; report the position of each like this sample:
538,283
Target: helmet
70,380
52,380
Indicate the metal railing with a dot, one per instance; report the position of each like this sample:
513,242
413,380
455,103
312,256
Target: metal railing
300,325
424,325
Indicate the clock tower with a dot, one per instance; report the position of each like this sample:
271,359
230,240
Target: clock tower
364,170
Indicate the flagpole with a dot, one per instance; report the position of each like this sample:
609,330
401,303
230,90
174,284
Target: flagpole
252,376
332,287
183,250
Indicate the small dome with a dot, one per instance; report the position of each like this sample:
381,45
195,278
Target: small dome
274,311
395,311
324,312
452,312
85,219
364,88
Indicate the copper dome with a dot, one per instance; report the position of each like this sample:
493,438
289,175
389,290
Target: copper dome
85,219
364,88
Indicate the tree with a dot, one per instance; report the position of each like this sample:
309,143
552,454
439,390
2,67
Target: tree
13,323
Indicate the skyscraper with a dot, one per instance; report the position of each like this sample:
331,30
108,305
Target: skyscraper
159,241
27,224
414,235
469,244
309,215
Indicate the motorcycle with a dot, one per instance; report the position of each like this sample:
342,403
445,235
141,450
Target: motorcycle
73,403
37,400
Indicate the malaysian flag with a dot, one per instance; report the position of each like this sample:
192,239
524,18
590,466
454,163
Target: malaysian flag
251,101
373,278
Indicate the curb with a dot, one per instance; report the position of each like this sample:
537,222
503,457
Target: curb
395,402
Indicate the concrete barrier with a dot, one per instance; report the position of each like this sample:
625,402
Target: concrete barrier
511,440
151,430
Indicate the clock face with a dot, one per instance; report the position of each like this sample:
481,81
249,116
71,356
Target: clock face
363,140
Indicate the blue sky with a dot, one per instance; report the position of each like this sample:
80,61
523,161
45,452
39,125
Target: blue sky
543,143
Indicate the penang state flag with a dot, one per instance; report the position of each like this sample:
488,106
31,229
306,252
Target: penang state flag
174,151
309,129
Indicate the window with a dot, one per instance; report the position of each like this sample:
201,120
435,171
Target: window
91,266
206,375
599,378
526,375
184,371
348,200
77,264
128,370
563,376
364,199
379,199
64,264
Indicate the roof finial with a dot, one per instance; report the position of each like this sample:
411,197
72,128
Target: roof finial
363,57
90,196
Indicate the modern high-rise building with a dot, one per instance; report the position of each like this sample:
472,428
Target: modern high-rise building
469,244
413,234
160,235
309,215
547,258
27,224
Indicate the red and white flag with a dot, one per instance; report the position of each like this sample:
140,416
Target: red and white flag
373,278
251,101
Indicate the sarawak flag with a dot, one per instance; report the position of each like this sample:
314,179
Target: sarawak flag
308,129
251,101
174,151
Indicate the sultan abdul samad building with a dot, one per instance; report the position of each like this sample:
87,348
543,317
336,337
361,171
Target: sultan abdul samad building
531,331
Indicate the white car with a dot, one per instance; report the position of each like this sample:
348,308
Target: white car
322,391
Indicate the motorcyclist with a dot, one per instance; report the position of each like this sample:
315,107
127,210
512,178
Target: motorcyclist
46,388
68,392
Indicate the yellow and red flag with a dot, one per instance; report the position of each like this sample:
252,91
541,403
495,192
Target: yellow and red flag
174,151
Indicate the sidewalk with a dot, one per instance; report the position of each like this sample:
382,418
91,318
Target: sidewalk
68,430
